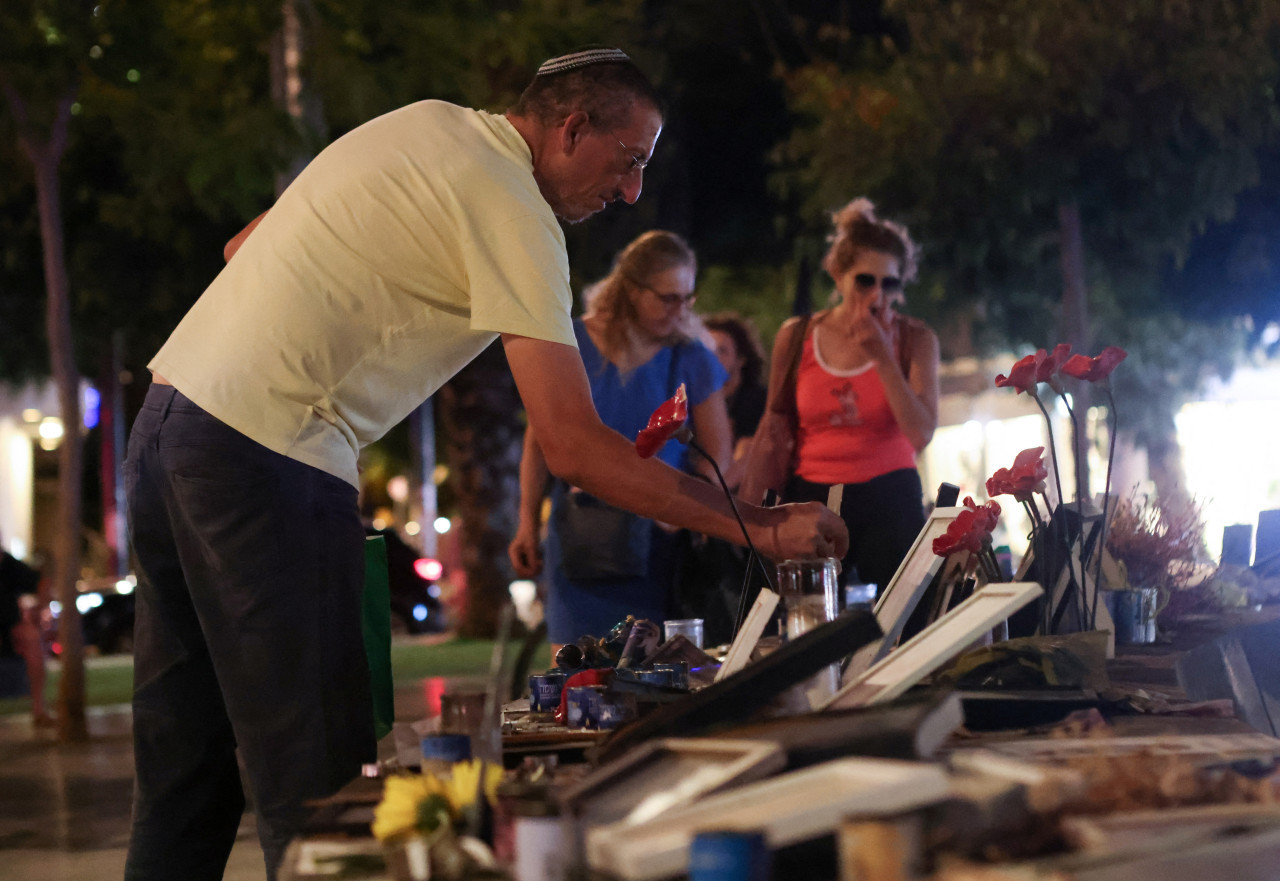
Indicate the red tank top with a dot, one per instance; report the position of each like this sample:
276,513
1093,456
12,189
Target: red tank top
847,432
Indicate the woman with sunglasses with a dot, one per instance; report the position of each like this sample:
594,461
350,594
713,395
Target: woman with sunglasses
639,340
853,398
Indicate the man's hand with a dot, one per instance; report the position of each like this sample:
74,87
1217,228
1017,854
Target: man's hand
802,532
580,450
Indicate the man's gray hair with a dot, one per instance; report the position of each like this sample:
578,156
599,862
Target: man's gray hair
603,82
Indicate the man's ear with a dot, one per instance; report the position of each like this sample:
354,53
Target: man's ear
575,127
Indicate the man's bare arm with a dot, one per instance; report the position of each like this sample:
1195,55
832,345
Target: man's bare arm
580,449
230,248
526,557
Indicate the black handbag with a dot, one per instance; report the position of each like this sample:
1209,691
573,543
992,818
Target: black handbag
599,541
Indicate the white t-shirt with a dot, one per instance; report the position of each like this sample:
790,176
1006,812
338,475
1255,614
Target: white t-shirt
396,257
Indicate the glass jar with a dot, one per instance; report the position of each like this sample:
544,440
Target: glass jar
810,592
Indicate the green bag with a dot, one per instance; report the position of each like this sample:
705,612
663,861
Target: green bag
376,625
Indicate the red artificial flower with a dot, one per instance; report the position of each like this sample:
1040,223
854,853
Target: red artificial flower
985,517
1027,476
954,539
664,424
1022,375
1049,365
1094,369
970,530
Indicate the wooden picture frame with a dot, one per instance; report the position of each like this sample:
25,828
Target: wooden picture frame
935,645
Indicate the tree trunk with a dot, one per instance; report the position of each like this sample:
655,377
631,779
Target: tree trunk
1164,458
289,87
115,523
1075,330
45,157
482,438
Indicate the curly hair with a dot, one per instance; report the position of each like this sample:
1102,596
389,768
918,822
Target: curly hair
745,339
649,254
605,91
858,230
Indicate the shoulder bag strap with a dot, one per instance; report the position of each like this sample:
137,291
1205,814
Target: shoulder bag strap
672,372
787,394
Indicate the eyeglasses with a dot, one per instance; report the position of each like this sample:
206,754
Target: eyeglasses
638,162
674,299
865,281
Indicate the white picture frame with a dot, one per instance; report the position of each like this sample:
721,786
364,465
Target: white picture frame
789,808
935,645
903,592
739,654
666,774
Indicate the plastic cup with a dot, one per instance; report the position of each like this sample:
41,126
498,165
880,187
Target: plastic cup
689,628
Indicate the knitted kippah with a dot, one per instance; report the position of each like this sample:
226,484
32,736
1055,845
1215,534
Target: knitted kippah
574,60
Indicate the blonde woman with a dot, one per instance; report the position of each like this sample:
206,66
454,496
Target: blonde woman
853,397
639,340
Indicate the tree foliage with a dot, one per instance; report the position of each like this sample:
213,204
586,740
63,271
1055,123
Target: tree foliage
986,116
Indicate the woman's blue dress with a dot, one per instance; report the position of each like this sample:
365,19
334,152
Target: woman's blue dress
591,608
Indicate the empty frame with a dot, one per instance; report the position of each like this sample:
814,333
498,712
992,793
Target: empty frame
935,645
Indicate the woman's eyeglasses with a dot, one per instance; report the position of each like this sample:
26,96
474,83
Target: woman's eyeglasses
673,299
865,281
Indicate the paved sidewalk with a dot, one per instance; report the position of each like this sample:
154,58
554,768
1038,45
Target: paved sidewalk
64,808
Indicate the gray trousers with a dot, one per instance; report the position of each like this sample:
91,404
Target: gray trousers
247,636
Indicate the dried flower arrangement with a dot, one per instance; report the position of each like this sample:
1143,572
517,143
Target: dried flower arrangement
1159,544
1162,545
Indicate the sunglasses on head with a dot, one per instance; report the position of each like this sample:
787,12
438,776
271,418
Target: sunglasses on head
866,281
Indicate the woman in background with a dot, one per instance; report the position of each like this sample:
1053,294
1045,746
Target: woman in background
853,398
711,578
738,348
639,340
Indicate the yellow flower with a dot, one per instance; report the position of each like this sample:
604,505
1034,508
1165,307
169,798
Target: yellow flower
410,803
413,803
465,777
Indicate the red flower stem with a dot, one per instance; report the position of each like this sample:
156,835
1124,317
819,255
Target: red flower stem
1078,448
990,565
1106,499
1037,542
693,444
1075,449
1053,447
1051,571
1033,511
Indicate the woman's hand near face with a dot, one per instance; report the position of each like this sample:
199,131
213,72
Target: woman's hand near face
873,329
